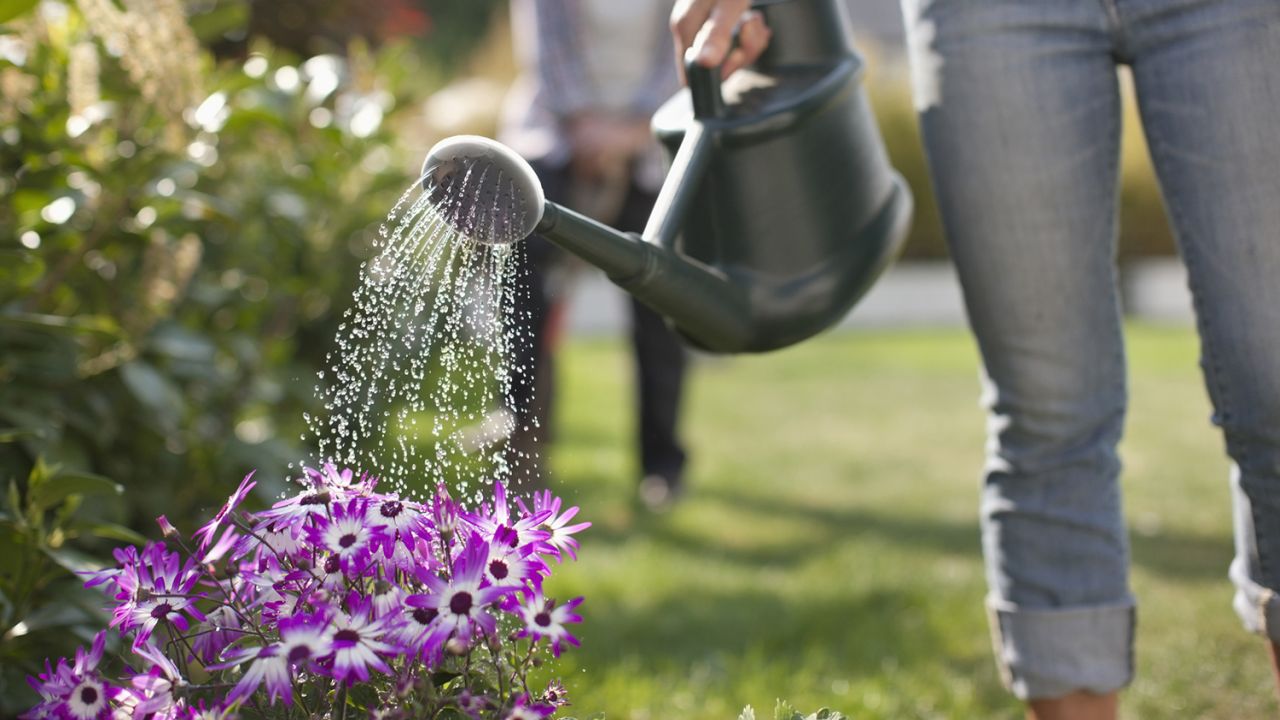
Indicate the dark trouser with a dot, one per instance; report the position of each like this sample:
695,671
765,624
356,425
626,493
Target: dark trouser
660,356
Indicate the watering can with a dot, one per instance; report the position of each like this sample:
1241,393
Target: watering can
779,211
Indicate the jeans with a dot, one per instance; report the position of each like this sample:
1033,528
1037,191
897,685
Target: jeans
1020,114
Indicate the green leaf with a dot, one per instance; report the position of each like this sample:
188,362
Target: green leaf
111,531
53,615
15,501
94,324
10,9
155,392
55,489
8,435
73,560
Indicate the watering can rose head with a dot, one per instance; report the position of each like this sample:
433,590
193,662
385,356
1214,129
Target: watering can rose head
483,189
341,598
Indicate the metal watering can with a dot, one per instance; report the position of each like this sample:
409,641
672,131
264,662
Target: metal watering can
779,212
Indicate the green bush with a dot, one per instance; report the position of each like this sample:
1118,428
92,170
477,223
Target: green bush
179,239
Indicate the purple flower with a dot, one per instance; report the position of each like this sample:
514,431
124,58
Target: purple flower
526,708
153,588
473,705
488,521
404,523
207,531
293,513
558,526
357,641
457,608
508,564
221,628
331,478
349,536
153,695
304,639
444,512
77,692
544,619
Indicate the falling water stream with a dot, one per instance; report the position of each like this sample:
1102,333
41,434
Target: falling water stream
417,389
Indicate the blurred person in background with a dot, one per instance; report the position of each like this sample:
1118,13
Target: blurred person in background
593,73
1019,108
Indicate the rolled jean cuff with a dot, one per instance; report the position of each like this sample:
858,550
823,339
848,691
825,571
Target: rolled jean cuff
1257,606
1051,652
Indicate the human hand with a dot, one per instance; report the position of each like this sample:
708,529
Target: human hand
705,28
603,143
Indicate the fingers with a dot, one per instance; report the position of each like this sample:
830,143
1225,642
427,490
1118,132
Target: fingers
753,38
706,26
713,41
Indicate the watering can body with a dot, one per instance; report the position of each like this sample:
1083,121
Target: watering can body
779,211
795,202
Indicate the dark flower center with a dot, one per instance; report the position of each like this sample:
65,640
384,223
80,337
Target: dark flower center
347,540
331,564
162,611
498,569
299,653
424,616
314,499
88,695
543,619
350,636
460,604
391,509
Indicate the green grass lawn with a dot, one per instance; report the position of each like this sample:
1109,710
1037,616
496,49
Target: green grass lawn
827,551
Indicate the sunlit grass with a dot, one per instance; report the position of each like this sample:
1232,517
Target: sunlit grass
827,551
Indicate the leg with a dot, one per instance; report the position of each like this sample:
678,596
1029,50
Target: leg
661,363
533,362
1205,77
1019,111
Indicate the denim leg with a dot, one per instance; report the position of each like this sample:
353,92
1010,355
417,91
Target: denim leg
1019,112
1207,84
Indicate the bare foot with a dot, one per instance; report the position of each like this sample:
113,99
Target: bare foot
1076,706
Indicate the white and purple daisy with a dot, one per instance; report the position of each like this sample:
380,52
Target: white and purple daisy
543,618
304,640
404,523
209,529
157,588
358,640
509,564
350,535
556,524
491,518
75,692
460,605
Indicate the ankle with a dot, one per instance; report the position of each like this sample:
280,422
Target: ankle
1078,705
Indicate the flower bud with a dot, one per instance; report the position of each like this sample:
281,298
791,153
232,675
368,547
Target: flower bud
456,647
166,528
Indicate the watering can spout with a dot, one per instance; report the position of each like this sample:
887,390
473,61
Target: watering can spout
489,193
779,212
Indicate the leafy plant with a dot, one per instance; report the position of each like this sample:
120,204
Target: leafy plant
179,238
43,607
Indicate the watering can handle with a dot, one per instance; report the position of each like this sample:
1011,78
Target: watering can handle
704,89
